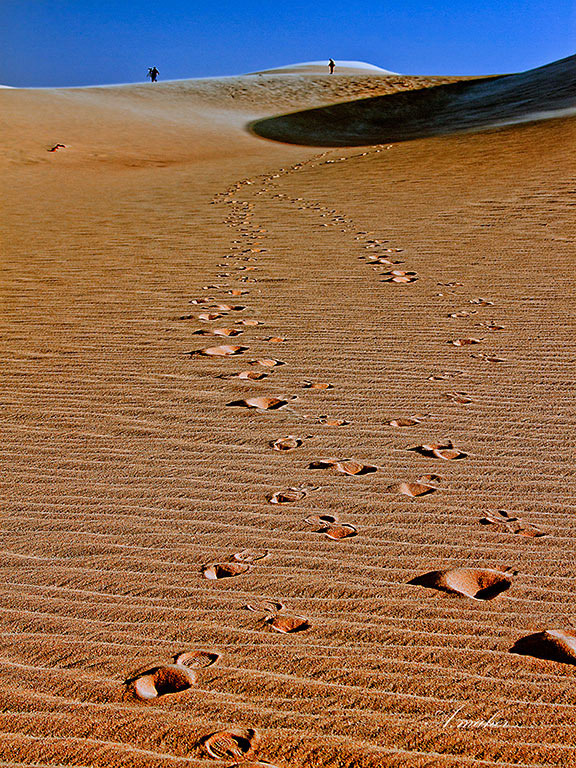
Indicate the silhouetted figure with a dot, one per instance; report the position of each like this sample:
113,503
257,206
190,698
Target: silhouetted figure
153,74
331,65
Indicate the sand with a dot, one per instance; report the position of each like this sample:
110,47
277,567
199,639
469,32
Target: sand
133,486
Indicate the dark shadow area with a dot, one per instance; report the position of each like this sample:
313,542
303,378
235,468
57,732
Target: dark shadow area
551,645
463,106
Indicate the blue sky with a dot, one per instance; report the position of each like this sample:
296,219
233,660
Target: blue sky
83,42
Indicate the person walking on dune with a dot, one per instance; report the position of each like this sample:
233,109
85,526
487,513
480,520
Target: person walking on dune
153,74
331,65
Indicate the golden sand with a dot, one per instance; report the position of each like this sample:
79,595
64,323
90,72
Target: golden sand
131,485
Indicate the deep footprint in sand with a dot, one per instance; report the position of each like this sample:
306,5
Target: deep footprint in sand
443,376
345,466
260,403
551,645
458,397
225,570
400,276
218,332
288,496
267,362
265,606
466,342
507,523
251,555
477,583
222,351
251,375
409,421
170,678
412,489
230,307
287,443
237,744
327,525
482,302
332,422
287,624
445,451
317,385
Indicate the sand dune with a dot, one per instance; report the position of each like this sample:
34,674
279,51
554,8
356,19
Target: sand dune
321,67
158,608
542,93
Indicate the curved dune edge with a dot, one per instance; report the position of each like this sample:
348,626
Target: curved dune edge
542,93
321,67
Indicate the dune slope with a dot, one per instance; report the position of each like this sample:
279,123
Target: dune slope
468,105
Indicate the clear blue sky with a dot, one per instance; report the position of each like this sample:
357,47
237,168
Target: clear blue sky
83,42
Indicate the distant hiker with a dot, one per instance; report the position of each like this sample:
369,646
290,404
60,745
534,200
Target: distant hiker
331,65
153,74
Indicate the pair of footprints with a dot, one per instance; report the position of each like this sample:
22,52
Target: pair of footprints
558,645
274,615
179,676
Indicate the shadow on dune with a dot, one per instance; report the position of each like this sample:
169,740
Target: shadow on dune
549,91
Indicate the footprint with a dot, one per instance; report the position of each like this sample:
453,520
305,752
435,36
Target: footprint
345,466
477,583
252,375
249,322
443,376
230,307
411,421
262,403
326,524
503,520
321,520
482,302
458,397
289,496
169,678
267,362
444,451
399,276
251,555
225,570
276,339
197,659
462,313
218,332
412,489
265,606
337,532
465,342
317,385
222,351
208,316
237,743
490,358
492,326
332,422
238,292
287,624
431,477
550,644
286,443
